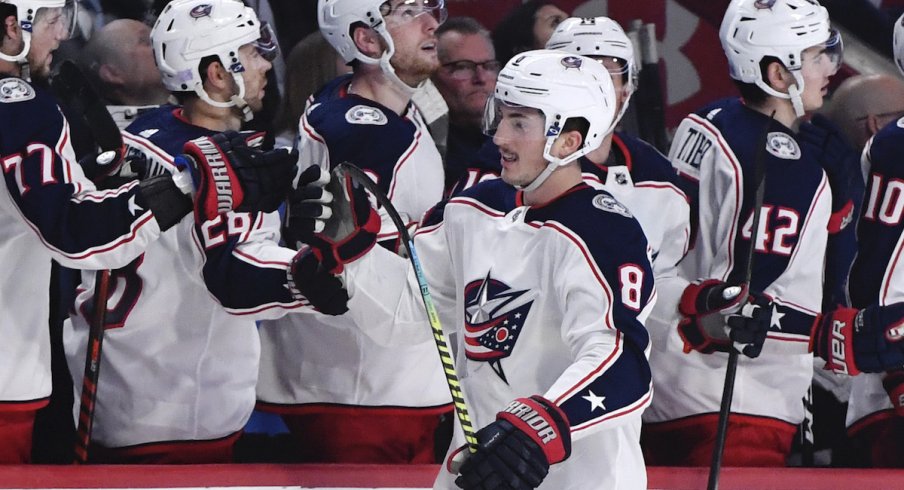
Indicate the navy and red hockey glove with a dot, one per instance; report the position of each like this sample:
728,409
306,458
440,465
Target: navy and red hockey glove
718,316
308,208
893,382
230,174
852,341
840,161
308,281
352,229
516,450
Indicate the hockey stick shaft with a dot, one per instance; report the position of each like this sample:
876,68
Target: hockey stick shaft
439,338
731,368
92,366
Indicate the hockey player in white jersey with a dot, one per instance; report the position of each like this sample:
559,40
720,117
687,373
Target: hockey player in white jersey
179,372
630,169
545,282
51,211
781,54
345,397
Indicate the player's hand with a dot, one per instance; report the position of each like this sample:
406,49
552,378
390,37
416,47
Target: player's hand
893,382
309,281
308,208
852,341
351,231
229,174
718,317
99,166
516,450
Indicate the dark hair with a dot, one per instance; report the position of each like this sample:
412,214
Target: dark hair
462,25
515,33
752,94
578,124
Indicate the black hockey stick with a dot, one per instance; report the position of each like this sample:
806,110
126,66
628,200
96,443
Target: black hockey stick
439,338
72,87
732,368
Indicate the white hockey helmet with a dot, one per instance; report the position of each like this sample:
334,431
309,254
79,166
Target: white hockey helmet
561,86
754,29
188,31
898,44
27,12
337,18
599,37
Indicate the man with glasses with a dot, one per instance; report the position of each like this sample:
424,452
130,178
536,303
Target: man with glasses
344,396
466,79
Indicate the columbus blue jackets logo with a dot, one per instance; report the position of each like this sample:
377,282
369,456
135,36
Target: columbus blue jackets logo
783,146
15,90
362,114
494,317
571,62
200,11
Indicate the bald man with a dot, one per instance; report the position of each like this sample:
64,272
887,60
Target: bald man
863,104
120,59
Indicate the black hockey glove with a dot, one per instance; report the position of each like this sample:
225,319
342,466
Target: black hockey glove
308,281
516,450
231,175
852,341
840,161
308,208
352,229
98,166
718,317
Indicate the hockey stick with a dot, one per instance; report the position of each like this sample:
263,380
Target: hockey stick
71,87
458,396
732,368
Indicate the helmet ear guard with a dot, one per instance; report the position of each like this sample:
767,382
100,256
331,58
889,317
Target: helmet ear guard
561,86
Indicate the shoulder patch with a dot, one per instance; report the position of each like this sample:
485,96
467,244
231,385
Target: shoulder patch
362,114
610,204
782,145
15,90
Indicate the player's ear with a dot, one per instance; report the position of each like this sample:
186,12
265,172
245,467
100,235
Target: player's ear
778,77
217,77
872,125
567,143
11,30
368,41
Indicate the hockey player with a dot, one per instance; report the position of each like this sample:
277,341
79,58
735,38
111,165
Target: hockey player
781,54
345,397
630,169
551,347
52,212
875,417
179,371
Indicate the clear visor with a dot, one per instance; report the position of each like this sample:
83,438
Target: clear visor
399,12
267,45
828,55
619,68
60,20
513,122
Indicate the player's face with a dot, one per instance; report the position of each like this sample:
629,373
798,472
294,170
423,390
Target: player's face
817,67
546,19
51,26
254,76
467,77
412,25
521,139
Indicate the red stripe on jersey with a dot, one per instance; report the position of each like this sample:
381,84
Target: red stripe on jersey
401,162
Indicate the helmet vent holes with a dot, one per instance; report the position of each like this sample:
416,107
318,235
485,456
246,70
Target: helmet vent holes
170,26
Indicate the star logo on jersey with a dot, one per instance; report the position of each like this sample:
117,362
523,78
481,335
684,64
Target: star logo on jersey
595,401
134,208
776,318
494,317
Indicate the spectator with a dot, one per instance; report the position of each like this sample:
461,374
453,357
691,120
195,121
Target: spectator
526,27
864,104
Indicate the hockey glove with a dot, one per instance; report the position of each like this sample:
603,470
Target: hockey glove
308,281
515,451
98,166
894,386
840,161
852,341
309,208
352,228
718,316
231,175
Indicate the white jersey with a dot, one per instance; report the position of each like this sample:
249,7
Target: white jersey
547,300
49,211
175,365
310,361
716,149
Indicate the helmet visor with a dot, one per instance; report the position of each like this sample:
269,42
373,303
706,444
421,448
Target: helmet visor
56,19
513,122
397,12
267,45
828,55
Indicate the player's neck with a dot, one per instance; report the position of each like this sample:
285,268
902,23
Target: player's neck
558,182
784,111
201,114
10,68
370,83
600,155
